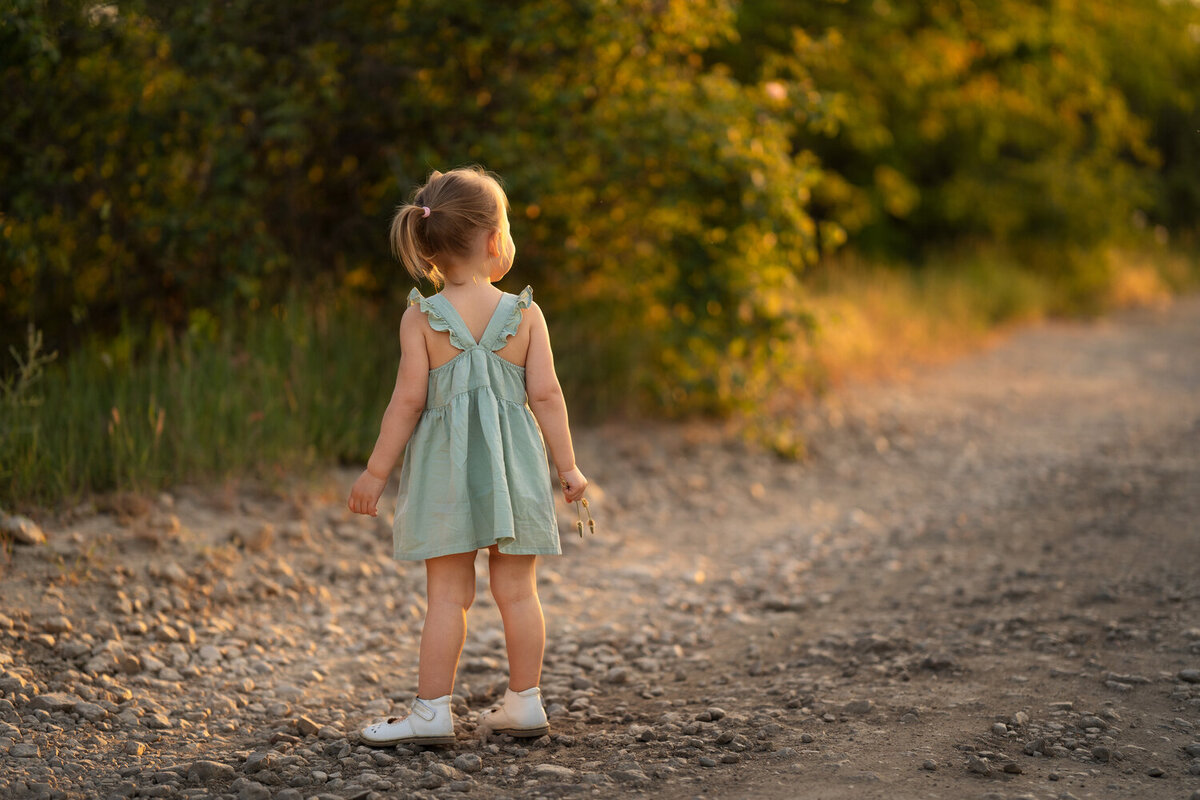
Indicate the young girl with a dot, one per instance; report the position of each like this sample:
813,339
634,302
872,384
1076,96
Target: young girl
474,361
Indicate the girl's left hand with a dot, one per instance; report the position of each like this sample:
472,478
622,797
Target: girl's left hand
364,495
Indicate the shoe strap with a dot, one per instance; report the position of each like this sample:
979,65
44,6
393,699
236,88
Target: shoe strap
423,710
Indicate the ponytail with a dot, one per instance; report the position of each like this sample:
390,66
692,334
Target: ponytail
410,244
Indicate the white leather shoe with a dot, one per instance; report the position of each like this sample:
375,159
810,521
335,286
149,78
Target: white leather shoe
429,723
520,715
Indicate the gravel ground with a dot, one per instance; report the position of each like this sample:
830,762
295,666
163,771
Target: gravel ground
984,582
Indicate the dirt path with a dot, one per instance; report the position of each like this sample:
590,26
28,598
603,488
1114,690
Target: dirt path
985,582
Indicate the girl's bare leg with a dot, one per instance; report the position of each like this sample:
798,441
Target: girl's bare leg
514,586
449,592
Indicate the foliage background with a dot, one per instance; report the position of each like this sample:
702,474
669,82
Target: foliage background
194,195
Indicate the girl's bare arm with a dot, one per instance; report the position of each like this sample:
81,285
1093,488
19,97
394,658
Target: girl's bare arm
401,416
548,405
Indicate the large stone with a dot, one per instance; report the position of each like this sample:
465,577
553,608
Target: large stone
21,530
264,759
24,750
55,701
90,711
203,771
253,790
469,762
553,772
306,727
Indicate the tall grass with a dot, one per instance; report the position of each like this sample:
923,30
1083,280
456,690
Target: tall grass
876,319
269,394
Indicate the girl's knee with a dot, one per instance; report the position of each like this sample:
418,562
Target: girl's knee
451,580
511,578
460,594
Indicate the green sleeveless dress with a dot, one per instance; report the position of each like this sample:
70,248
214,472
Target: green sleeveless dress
475,471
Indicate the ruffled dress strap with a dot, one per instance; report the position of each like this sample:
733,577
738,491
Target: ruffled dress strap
443,317
507,319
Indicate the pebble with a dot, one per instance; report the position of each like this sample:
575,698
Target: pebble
54,701
25,750
306,727
553,772
90,711
203,771
468,762
1189,675
253,790
978,765
156,722
929,764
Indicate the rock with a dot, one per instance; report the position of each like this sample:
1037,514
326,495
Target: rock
618,675
21,530
102,664
630,776
858,707
265,759
54,701
1102,754
204,771
57,624
257,541
253,790
1189,675
999,729
553,772
11,684
306,727
1012,768
289,691
90,711
24,750
939,662
445,771
929,764
156,722
978,765
133,748
468,762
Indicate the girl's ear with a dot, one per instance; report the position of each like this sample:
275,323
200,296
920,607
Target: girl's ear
493,245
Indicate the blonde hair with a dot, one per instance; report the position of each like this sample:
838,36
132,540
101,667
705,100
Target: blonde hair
443,218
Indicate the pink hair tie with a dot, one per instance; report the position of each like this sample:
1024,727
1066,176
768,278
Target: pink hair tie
426,210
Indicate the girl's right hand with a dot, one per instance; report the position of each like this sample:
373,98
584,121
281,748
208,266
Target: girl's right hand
573,484
364,496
